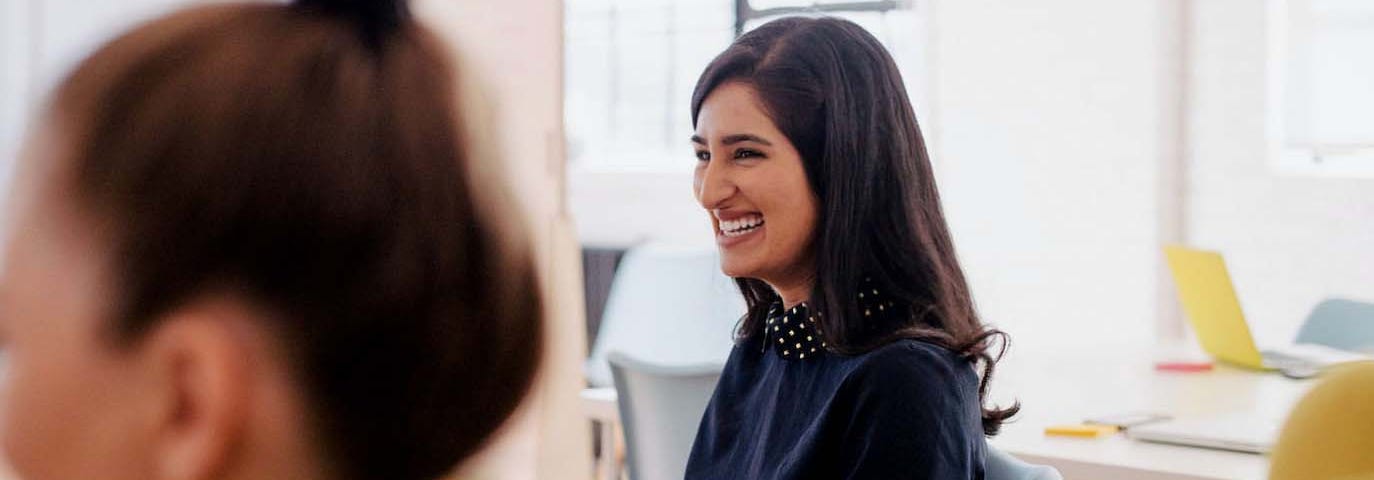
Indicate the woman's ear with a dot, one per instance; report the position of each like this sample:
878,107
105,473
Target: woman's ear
199,360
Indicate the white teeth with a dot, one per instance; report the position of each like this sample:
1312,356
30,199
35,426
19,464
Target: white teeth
740,226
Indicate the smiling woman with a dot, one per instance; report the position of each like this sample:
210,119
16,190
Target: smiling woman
856,356
760,204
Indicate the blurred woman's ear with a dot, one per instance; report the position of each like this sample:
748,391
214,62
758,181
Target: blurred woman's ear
219,387
197,400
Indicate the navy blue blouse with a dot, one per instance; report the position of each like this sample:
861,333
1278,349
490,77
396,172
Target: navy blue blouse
787,409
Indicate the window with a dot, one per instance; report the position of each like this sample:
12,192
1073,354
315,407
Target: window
1322,86
630,66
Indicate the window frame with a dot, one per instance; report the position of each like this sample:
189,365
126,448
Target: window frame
745,11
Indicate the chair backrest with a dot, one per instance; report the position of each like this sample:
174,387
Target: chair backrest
668,305
1340,323
1002,466
1330,433
660,409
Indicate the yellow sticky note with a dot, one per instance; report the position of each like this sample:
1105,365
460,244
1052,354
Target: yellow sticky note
1089,431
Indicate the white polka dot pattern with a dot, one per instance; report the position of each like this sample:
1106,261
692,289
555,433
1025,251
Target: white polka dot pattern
798,336
796,331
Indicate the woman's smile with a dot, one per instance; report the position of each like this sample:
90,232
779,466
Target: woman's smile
751,183
735,228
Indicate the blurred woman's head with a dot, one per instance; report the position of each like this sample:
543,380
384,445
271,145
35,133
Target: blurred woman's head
246,241
805,131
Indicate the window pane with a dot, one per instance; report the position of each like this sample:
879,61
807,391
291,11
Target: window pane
630,67
1342,82
1328,99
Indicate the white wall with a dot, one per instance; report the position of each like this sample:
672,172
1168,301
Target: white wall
628,208
15,55
65,31
1289,241
1051,125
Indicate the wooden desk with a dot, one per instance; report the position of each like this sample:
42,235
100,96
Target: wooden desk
1069,386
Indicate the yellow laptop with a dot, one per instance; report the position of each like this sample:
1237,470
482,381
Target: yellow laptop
1210,302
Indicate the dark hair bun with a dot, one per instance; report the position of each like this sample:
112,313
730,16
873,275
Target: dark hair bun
375,18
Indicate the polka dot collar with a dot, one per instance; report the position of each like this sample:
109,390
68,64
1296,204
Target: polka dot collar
794,334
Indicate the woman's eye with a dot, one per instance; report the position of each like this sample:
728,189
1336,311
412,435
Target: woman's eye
703,155
747,154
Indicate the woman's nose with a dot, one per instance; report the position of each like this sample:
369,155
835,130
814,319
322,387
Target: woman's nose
713,185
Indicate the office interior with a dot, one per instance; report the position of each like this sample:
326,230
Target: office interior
1072,140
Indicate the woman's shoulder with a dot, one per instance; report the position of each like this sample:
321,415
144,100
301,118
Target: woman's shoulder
910,366
909,354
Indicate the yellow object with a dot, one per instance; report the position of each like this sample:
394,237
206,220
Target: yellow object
1330,434
1080,430
1208,298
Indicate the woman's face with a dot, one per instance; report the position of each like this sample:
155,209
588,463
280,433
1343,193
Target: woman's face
66,399
751,181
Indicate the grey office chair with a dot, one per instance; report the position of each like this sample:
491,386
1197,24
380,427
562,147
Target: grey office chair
1340,323
1003,466
668,305
660,408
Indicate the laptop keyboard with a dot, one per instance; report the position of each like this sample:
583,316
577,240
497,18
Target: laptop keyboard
1281,360
1291,366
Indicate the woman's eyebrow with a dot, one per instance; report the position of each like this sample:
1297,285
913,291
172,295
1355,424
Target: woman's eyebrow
735,138
744,137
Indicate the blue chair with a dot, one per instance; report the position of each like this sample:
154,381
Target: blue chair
1002,466
1340,323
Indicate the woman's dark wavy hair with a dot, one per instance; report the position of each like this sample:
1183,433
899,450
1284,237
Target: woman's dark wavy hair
837,95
